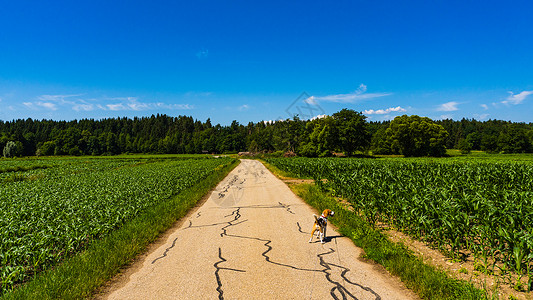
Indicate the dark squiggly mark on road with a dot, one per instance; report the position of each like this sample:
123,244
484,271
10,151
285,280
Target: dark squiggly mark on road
226,187
327,266
343,275
267,242
219,281
198,215
281,205
300,228
200,226
338,287
287,207
166,251
269,248
233,213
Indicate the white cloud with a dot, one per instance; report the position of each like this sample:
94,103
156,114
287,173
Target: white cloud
318,117
119,106
244,107
350,98
481,116
174,106
135,105
484,106
358,95
445,117
55,102
448,106
83,107
516,99
57,98
40,104
384,111
47,105
131,103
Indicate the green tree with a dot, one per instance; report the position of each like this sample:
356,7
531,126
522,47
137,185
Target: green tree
13,149
380,143
514,139
353,132
416,136
465,146
474,138
253,146
47,148
322,138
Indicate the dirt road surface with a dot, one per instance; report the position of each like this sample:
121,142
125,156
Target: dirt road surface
249,240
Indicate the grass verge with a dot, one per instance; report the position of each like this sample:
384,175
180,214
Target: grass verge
425,280
82,274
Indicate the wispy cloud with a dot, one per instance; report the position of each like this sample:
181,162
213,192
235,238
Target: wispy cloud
202,54
40,104
174,106
384,111
516,99
481,117
132,104
83,107
358,95
244,107
58,98
448,106
55,102
484,106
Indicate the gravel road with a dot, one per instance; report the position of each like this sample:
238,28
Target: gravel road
249,240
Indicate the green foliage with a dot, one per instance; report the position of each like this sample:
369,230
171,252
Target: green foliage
380,144
322,140
485,135
465,146
349,132
416,136
514,139
76,201
353,131
13,149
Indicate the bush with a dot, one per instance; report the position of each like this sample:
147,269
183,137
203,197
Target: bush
13,149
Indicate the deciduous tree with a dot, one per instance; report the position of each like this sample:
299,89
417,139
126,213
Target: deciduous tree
416,136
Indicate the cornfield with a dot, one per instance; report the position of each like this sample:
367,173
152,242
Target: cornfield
483,208
51,209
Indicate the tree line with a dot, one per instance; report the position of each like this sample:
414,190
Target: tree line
346,131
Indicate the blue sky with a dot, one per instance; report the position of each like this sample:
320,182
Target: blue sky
253,61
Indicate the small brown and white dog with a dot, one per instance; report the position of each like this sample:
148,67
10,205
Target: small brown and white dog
321,224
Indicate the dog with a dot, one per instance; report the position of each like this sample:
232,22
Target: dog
321,224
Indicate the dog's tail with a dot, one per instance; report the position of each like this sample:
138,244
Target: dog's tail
316,218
